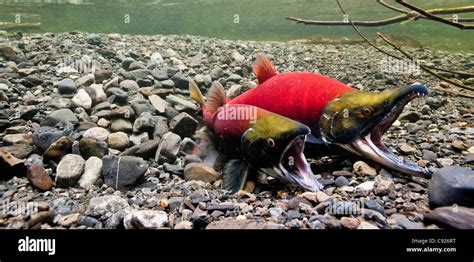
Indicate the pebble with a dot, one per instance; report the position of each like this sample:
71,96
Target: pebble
61,115
384,186
366,186
123,173
92,172
350,223
14,139
39,177
129,86
89,147
102,205
121,125
86,80
168,148
158,103
407,149
97,133
69,170
145,219
118,140
460,145
341,181
201,172
67,86
445,162
361,168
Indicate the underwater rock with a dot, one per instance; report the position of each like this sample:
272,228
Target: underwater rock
69,170
201,172
92,172
452,185
452,217
123,173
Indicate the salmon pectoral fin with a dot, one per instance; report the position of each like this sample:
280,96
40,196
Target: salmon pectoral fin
196,94
234,175
263,68
215,97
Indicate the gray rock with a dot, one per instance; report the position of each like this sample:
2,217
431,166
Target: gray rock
145,219
61,115
64,206
158,103
121,125
429,155
451,217
92,171
96,93
144,150
168,148
452,185
167,83
183,125
102,205
119,96
341,181
44,136
384,186
98,133
69,170
67,86
142,105
177,101
145,123
138,139
404,222
129,86
123,173
244,224
216,73
86,80
180,81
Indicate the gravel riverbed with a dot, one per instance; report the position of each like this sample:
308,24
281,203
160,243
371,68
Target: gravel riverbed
96,131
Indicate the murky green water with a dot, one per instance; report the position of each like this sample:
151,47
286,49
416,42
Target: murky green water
232,19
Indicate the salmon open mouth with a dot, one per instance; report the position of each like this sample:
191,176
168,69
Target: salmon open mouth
370,145
295,168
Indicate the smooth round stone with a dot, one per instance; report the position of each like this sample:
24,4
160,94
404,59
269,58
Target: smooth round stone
98,133
120,96
92,172
129,85
118,140
69,170
123,125
67,86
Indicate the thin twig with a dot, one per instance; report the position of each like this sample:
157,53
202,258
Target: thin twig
404,17
394,8
434,17
424,67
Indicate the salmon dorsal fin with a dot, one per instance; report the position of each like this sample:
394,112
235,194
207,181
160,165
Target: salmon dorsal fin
215,97
263,68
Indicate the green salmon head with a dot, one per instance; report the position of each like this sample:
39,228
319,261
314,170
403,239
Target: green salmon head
357,120
274,146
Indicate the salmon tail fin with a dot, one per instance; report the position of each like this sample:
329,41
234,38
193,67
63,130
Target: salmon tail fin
196,94
263,68
215,97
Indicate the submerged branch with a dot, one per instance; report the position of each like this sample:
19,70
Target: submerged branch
433,17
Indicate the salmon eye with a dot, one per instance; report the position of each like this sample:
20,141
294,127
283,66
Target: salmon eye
367,110
271,142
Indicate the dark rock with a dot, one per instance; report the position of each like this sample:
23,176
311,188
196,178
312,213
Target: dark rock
61,115
64,206
180,81
119,96
92,147
44,136
373,205
216,73
67,86
144,150
452,185
121,125
129,86
451,217
173,169
404,222
101,75
183,125
142,105
123,172
410,116
59,148
342,173
295,202
145,123
161,127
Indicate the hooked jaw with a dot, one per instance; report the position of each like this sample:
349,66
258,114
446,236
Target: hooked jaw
370,145
294,168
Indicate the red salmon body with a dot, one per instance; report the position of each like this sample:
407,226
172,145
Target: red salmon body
300,96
